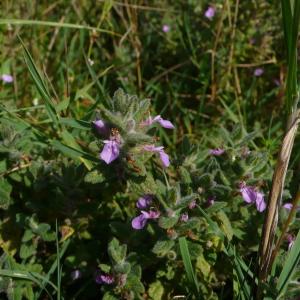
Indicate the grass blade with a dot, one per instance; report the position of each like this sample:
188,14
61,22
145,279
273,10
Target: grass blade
184,250
39,82
54,24
53,267
289,266
239,265
31,276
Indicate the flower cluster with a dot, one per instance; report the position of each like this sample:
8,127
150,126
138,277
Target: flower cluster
113,141
104,278
251,196
140,221
216,152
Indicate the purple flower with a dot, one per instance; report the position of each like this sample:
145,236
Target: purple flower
184,217
164,157
6,78
258,72
140,221
160,120
216,152
76,274
111,151
210,13
192,204
101,127
144,201
288,206
166,28
104,278
291,240
277,82
250,195
210,201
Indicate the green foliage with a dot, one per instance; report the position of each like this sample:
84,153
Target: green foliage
66,215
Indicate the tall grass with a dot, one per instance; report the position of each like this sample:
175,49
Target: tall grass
290,17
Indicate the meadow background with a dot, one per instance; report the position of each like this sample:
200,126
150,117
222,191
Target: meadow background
66,215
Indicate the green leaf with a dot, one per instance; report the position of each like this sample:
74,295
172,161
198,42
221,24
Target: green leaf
109,296
116,251
105,268
138,138
78,124
94,177
5,190
72,152
123,268
225,224
167,222
27,250
156,290
71,142
203,266
212,224
161,248
134,284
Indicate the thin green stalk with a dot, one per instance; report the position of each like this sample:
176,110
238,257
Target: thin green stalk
54,24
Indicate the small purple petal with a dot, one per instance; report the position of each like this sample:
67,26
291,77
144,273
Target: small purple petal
76,274
260,203
139,222
216,152
192,204
210,13
288,206
144,202
291,240
107,279
101,127
210,200
184,217
164,157
104,278
152,214
166,124
258,72
158,119
248,194
277,82
166,28
7,78
110,152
